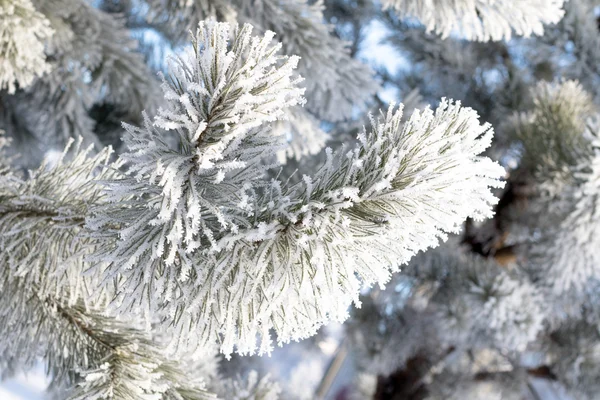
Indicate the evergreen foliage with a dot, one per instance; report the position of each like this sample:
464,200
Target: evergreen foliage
220,226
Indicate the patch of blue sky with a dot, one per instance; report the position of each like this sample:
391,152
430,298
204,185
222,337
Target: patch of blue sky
379,54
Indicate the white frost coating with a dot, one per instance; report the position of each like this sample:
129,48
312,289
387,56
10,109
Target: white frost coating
22,32
482,20
230,254
222,90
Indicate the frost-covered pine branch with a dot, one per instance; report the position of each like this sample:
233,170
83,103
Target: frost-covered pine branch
197,235
22,35
482,20
229,260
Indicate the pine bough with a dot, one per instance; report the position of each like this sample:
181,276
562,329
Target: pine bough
194,232
233,260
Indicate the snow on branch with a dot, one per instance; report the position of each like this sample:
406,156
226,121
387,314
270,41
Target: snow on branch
223,90
482,20
22,34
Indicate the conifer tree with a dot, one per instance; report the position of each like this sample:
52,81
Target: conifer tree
167,201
